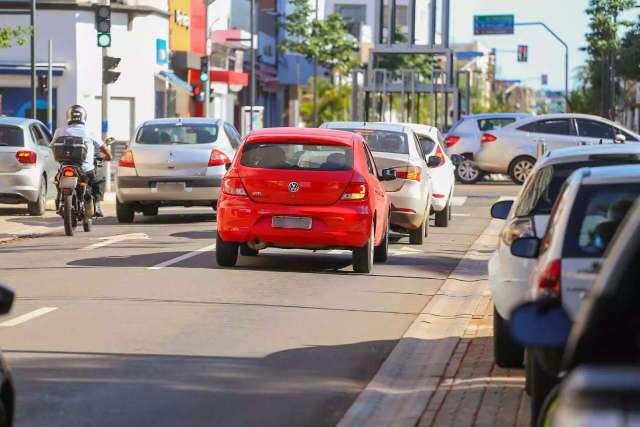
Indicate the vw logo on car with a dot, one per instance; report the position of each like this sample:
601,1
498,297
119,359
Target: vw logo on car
294,187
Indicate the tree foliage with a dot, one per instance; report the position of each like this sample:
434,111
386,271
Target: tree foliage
333,102
423,64
8,35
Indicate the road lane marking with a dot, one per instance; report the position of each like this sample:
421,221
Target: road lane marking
458,200
458,214
109,240
182,257
27,316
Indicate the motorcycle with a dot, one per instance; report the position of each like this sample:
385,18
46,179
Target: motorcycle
75,202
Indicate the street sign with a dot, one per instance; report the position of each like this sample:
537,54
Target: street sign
493,24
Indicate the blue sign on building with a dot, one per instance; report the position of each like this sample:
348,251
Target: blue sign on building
162,53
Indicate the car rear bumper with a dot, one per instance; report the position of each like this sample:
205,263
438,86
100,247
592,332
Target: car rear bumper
336,226
144,189
19,187
409,205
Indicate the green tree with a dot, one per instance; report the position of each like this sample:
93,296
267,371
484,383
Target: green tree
629,54
423,64
13,34
333,102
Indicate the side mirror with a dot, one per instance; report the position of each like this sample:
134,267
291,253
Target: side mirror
456,159
388,174
620,138
542,324
500,210
434,161
526,247
6,299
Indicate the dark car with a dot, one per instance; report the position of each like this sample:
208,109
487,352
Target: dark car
7,390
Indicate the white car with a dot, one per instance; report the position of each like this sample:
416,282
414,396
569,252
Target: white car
442,176
512,149
528,217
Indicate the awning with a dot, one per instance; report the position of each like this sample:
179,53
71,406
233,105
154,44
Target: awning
173,78
222,76
24,68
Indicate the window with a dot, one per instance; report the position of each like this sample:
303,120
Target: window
598,212
627,135
47,135
370,163
233,135
384,141
37,136
427,144
553,219
554,127
594,129
486,125
165,134
297,157
11,136
354,15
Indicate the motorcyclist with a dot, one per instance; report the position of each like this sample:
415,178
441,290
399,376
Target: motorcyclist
76,126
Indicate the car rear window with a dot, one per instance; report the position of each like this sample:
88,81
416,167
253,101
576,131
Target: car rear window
384,141
297,157
11,136
167,134
595,217
542,189
486,125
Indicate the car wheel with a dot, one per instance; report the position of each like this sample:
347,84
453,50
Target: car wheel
247,251
540,385
520,168
5,420
416,237
38,207
226,252
468,173
363,257
381,252
507,353
124,212
443,217
150,211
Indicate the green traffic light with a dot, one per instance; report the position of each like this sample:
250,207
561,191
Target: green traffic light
204,77
104,40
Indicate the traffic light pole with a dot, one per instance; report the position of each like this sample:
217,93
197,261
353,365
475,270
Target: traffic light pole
207,84
50,88
34,94
105,113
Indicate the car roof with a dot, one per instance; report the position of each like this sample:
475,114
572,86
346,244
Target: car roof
618,174
302,135
584,152
496,115
176,120
421,129
396,127
16,121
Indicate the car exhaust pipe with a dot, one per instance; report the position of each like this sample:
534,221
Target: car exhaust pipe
257,244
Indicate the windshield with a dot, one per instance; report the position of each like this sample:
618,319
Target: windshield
11,136
298,156
165,134
384,141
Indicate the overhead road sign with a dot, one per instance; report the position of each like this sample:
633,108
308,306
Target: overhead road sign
485,25
468,54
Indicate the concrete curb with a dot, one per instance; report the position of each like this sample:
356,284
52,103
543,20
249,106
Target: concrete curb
401,390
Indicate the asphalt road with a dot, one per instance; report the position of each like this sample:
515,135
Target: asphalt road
146,330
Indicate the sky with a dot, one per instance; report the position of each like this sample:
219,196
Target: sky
567,18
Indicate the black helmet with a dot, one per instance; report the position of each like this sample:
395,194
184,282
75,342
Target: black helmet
76,114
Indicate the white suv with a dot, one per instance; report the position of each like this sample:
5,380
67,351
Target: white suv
528,217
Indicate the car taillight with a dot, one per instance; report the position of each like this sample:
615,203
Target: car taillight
487,137
549,281
233,186
26,157
126,161
355,191
440,154
69,171
412,173
516,229
451,140
218,158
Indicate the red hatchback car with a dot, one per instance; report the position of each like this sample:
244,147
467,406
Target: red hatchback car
304,189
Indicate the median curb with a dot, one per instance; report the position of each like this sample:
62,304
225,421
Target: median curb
407,380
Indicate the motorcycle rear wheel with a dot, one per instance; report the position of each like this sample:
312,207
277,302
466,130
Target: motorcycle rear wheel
67,215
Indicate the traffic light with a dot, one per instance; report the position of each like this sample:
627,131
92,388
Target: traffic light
109,64
198,93
544,79
103,25
204,68
43,84
523,53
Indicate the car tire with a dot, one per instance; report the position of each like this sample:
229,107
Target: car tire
443,217
247,251
540,385
520,168
5,420
226,252
124,212
363,257
507,353
150,211
468,173
381,252
39,207
416,237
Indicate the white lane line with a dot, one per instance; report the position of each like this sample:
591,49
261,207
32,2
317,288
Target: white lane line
109,240
27,316
458,200
182,257
458,214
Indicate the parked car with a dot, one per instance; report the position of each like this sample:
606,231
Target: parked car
27,167
174,162
512,149
464,139
600,370
588,211
528,216
7,388
306,189
396,146
442,176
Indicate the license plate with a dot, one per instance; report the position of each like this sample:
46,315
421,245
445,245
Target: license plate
170,186
291,222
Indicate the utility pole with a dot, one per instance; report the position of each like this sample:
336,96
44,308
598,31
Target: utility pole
50,88
252,88
207,85
34,94
315,82
105,113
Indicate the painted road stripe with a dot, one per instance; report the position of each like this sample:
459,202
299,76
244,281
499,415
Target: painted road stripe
109,240
457,214
458,200
27,316
182,257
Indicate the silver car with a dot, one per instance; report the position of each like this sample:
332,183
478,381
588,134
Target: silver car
464,139
174,162
396,146
513,148
27,167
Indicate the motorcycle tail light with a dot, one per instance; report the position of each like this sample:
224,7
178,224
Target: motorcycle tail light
69,172
26,157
